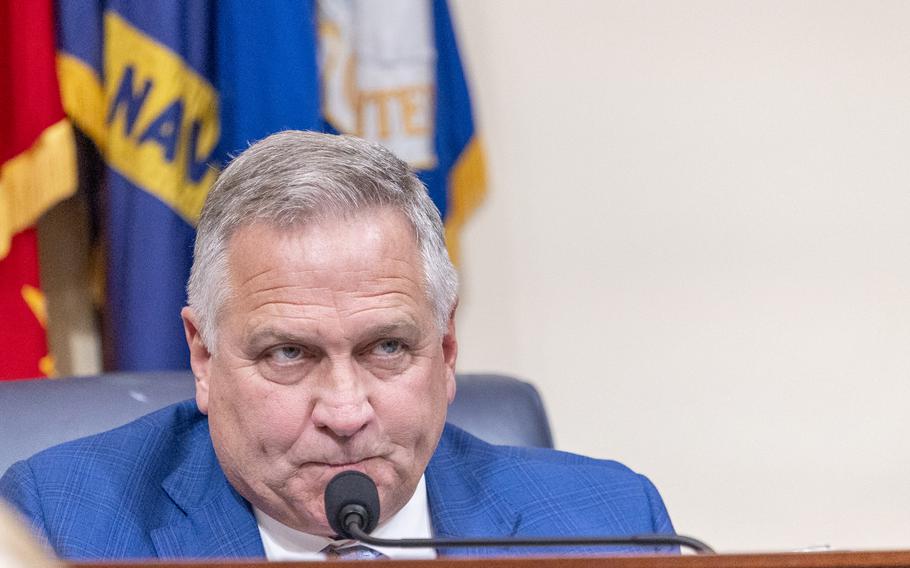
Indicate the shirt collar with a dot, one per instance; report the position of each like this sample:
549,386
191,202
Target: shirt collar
281,542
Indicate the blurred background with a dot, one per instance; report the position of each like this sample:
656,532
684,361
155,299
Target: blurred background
693,241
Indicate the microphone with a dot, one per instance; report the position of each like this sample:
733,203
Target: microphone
352,509
351,499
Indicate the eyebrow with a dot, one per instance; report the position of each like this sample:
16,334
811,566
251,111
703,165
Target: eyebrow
270,335
396,328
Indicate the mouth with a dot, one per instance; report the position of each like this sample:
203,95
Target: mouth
339,466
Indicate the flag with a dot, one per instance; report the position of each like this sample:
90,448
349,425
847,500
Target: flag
138,79
387,71
169,90
37,170
268,77
391,73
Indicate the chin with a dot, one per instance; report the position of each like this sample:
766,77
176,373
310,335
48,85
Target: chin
394,496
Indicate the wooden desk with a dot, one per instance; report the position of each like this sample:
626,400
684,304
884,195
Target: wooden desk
790,560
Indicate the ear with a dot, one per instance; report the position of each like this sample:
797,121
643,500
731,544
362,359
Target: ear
450,353
200,357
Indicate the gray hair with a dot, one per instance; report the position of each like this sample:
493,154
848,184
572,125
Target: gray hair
292,177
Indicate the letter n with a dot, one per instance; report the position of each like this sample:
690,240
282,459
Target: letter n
128,99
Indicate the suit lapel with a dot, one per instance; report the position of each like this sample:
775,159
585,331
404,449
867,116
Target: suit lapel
460,504
216,522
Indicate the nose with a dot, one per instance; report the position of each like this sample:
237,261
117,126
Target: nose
342,405
342,419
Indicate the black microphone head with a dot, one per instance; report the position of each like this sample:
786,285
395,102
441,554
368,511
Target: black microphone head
351,496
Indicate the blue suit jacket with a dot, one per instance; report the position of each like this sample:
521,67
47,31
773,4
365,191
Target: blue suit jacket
154,488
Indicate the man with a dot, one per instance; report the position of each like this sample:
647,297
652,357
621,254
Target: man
321,326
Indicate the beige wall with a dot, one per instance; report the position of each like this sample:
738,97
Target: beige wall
697,244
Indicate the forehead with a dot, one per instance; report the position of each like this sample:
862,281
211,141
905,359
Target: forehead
371,251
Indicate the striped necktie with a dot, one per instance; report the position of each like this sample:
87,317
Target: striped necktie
352,552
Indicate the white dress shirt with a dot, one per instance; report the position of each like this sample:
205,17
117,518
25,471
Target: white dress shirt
281,542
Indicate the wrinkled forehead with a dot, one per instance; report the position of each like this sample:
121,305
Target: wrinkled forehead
330,250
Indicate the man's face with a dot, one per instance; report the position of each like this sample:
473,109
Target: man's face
328,359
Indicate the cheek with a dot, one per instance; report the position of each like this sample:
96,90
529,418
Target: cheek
252,415
414,414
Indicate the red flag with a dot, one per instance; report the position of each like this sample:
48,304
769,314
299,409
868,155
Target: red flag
37,169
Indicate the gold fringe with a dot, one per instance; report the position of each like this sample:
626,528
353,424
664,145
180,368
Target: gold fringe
36,302
47,365
36,180
468,183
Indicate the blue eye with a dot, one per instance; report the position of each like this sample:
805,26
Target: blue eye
287,353
389,347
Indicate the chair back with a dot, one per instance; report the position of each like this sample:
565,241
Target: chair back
38,414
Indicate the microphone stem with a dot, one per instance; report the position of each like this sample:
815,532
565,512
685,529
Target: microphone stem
698,546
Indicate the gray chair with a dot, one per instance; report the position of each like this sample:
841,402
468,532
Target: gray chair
38,414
